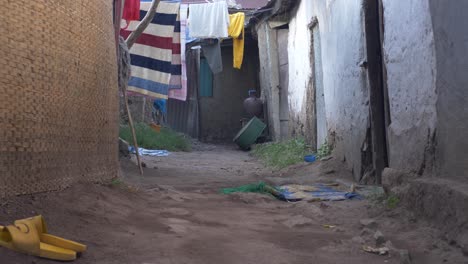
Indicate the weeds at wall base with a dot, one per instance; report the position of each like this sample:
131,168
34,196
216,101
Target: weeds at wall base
166,139
281,154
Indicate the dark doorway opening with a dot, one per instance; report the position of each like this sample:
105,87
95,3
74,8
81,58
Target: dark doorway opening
282,35
378,95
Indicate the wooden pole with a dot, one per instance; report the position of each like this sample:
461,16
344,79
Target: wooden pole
132,128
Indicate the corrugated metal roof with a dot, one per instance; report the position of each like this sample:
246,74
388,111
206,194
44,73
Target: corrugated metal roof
245,4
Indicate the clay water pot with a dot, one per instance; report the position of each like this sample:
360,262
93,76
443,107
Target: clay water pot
253,105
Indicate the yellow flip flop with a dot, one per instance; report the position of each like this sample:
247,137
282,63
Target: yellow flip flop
24,238
41,227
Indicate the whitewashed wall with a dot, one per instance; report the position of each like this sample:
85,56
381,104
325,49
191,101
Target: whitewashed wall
409,54
344,82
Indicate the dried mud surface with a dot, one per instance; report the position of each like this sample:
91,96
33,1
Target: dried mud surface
174,214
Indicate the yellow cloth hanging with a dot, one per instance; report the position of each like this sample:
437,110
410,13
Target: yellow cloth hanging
236,31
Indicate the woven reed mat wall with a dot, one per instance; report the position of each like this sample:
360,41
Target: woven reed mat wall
58,94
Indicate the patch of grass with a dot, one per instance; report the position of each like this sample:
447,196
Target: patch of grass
392,201
166,139
389,201
324,150
116,182
281,154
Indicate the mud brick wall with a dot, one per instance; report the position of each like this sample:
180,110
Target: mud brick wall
59,95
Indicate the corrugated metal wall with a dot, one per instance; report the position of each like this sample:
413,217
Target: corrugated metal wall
183,116
178,114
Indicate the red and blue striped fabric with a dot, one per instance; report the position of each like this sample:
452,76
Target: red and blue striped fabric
155,57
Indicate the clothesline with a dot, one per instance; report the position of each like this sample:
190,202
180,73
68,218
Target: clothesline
158,57
202,2
192,2
253,11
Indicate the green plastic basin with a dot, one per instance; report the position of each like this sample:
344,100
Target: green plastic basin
249,133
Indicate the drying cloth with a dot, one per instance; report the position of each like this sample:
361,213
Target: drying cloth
152,54
236,31
176,80
189,39
212,51
317,192
210,20
149,152
181,94
131,10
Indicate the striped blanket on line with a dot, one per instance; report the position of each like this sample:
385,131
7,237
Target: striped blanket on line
181,94
155,57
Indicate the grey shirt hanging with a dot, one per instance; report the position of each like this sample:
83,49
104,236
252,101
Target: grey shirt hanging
212,51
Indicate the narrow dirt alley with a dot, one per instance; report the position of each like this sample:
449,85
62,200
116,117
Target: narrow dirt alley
174,214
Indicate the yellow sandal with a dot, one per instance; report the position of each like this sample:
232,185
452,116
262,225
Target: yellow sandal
41,227
30,236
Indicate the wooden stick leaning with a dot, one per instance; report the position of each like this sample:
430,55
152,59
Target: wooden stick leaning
130,41
132,128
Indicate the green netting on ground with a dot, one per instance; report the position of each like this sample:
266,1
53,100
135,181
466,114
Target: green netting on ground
259,187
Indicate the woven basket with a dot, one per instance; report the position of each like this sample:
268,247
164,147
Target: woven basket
58,94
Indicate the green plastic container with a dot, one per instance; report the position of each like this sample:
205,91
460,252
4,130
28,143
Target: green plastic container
249,133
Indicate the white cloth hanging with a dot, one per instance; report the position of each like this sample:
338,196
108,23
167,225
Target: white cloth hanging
210,20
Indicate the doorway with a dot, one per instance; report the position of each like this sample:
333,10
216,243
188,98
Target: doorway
378,94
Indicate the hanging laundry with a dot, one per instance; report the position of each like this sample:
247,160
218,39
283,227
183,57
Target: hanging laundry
188,39
152,54
212,51
210,20
131,11
176,81
237,32
181,94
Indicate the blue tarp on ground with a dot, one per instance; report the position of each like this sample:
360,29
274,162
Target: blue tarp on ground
318,192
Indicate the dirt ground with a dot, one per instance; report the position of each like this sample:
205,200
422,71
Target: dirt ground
174,214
